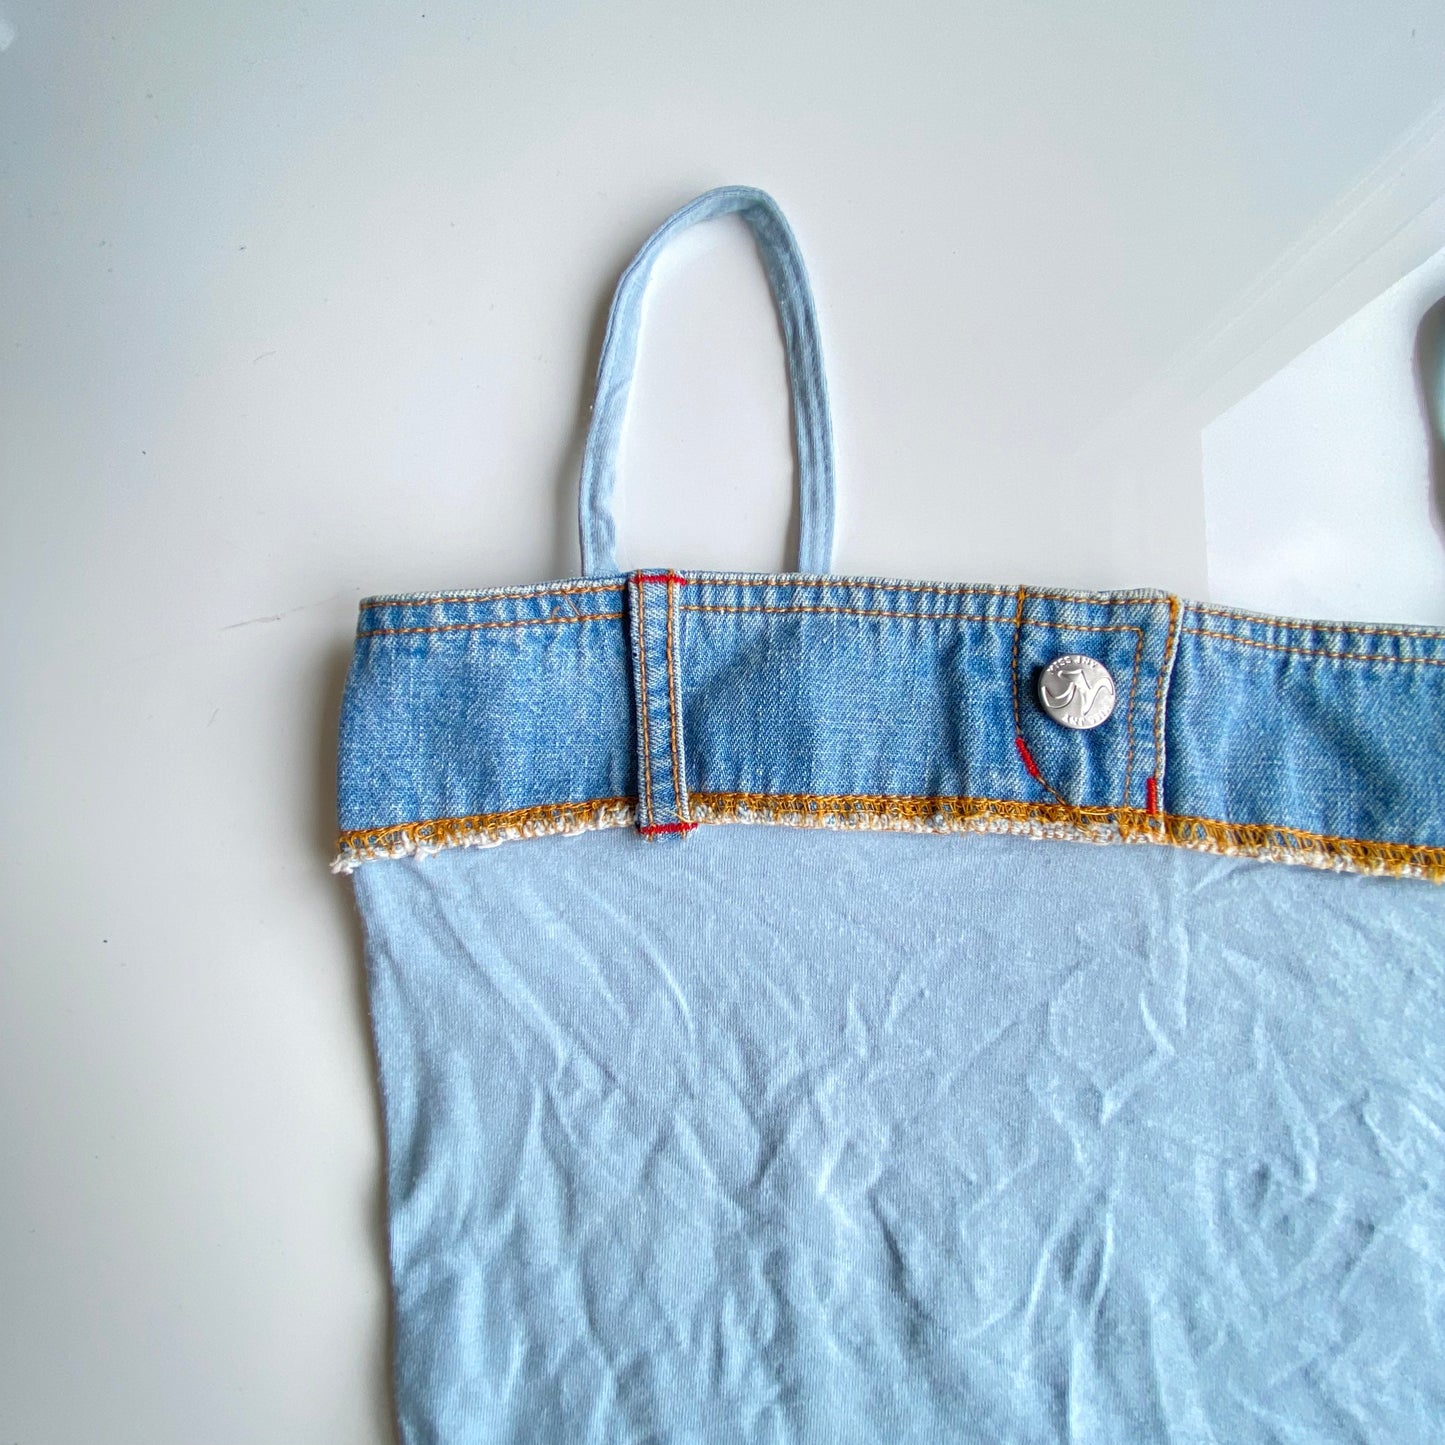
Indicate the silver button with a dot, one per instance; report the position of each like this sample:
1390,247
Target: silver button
1076,691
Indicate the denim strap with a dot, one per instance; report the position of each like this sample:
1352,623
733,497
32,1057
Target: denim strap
812,426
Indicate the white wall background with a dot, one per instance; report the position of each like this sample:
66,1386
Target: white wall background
299,303
1324,493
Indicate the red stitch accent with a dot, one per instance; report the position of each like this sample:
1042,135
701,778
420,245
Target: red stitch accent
1028,758
652,828
661,577
1151,796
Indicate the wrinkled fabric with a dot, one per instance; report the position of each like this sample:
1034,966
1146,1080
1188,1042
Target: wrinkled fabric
819,1136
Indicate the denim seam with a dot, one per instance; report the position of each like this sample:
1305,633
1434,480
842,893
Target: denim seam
1260,840
918,617
480,626
931,814
1274,842
1018,624
1319,652
479,829
843,612
643,707
925,616
1129,715
1030,765
1261,619
674,706
901,586
1166,674
442,598
789,582
922,589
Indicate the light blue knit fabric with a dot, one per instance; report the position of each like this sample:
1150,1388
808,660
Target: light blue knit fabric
822,1138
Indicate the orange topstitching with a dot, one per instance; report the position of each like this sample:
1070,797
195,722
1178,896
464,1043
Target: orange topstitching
1433,634
1165,668
481,626
1024,754
1319,651
932,589
887,804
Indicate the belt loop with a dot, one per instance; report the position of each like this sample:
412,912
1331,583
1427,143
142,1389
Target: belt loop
662,806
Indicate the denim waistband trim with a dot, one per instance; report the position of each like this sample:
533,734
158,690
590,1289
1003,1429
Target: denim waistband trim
668,699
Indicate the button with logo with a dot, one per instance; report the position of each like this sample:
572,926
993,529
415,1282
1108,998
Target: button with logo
1077,692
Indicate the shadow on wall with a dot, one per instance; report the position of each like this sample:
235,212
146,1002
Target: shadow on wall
1430,377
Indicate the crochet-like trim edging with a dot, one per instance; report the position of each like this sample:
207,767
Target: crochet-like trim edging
916,815
483,830
1075,824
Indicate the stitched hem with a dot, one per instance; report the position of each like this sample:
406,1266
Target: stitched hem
913,815
833,583
1314,850
482,830
1086,825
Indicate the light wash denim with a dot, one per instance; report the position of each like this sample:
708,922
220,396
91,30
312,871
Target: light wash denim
866,1127
813,428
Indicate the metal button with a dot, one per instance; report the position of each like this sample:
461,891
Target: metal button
1077,692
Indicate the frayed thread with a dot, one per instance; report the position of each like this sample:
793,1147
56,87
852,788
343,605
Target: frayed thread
926,815
482,830
1077,824
1314,850
1060,821
656,830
